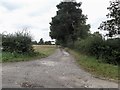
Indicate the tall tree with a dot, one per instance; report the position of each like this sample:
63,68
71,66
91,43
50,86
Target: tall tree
41,42
68,23
113,24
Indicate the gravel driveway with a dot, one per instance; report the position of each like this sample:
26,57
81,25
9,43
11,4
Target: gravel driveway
56,71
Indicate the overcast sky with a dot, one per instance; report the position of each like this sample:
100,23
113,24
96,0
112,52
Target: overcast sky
36,15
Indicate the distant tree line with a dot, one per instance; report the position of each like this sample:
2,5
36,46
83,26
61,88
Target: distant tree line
42,42
69,28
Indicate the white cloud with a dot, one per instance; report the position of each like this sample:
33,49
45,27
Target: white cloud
96,11
36,14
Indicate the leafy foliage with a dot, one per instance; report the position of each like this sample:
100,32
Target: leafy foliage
91,45
69,28
69,23
111,51
20,42
113,24
107,51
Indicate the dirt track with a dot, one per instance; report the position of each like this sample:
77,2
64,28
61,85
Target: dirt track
56,71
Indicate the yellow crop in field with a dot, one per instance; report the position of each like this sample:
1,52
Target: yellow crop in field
45,49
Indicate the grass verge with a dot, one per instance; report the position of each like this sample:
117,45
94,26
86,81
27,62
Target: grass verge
92,65
43,51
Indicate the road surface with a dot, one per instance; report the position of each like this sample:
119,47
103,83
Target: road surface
56,71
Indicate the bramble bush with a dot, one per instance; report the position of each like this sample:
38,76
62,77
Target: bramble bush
111,51
107,51
91,45
20,42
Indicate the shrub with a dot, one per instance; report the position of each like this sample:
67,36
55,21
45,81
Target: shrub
107,51
20,42
111,52
91,45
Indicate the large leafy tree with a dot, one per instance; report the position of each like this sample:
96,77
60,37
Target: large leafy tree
113,24
69,22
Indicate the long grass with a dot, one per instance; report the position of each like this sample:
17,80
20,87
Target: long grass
92,65
42,51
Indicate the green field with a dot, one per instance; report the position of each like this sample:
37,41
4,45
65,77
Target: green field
43,51
92,65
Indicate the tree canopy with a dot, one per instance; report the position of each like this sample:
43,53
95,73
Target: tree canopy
113,24
69,23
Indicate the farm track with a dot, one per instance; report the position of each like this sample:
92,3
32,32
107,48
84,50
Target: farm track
56,71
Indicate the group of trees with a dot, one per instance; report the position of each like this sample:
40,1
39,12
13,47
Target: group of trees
69,28
42,42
